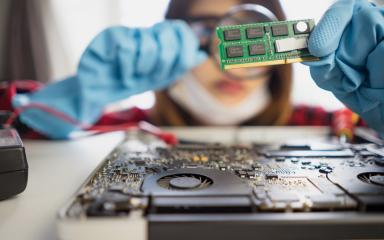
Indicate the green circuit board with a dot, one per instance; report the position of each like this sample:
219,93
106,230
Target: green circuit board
264,44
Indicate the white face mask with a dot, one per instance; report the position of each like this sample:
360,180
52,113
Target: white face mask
189,94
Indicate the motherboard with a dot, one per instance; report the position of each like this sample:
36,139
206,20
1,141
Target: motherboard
145,175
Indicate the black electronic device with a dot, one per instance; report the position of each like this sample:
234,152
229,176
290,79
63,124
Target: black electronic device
13,164
147,190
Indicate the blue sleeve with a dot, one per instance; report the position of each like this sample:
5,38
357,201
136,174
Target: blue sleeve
118,63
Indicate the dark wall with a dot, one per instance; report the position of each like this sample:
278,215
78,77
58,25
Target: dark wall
4,10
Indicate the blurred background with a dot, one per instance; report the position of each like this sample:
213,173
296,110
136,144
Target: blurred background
56,32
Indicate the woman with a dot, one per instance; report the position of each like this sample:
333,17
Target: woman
206,96
121,62
271,86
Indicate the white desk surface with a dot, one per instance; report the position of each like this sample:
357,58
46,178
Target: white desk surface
58,168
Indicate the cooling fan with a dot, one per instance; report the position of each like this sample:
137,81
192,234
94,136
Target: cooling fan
185,182
194,181
197,190
375,178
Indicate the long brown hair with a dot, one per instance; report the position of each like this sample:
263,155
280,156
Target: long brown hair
167,113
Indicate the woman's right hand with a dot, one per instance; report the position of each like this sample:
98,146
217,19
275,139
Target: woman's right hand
140,59
117,64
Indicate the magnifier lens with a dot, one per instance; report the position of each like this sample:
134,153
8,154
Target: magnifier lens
243,14
247,13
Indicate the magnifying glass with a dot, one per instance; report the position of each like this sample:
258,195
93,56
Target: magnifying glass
237,15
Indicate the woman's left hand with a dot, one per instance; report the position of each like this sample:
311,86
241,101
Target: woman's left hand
349,40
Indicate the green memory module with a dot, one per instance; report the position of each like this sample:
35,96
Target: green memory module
264,44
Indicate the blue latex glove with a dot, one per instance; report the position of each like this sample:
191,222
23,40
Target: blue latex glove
118,63
350,42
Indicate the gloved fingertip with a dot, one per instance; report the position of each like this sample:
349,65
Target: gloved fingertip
326,36
190,55
199,58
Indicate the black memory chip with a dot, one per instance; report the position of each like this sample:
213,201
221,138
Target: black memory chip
232,34
256,49
280,30
255,32
235,51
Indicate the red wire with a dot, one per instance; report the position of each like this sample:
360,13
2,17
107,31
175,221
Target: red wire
47,109
66,118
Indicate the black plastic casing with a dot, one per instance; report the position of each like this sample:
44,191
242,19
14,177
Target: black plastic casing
13,164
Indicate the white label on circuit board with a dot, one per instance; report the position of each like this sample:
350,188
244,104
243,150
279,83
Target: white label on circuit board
290,44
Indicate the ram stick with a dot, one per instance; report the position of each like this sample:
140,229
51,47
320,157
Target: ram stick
264,44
